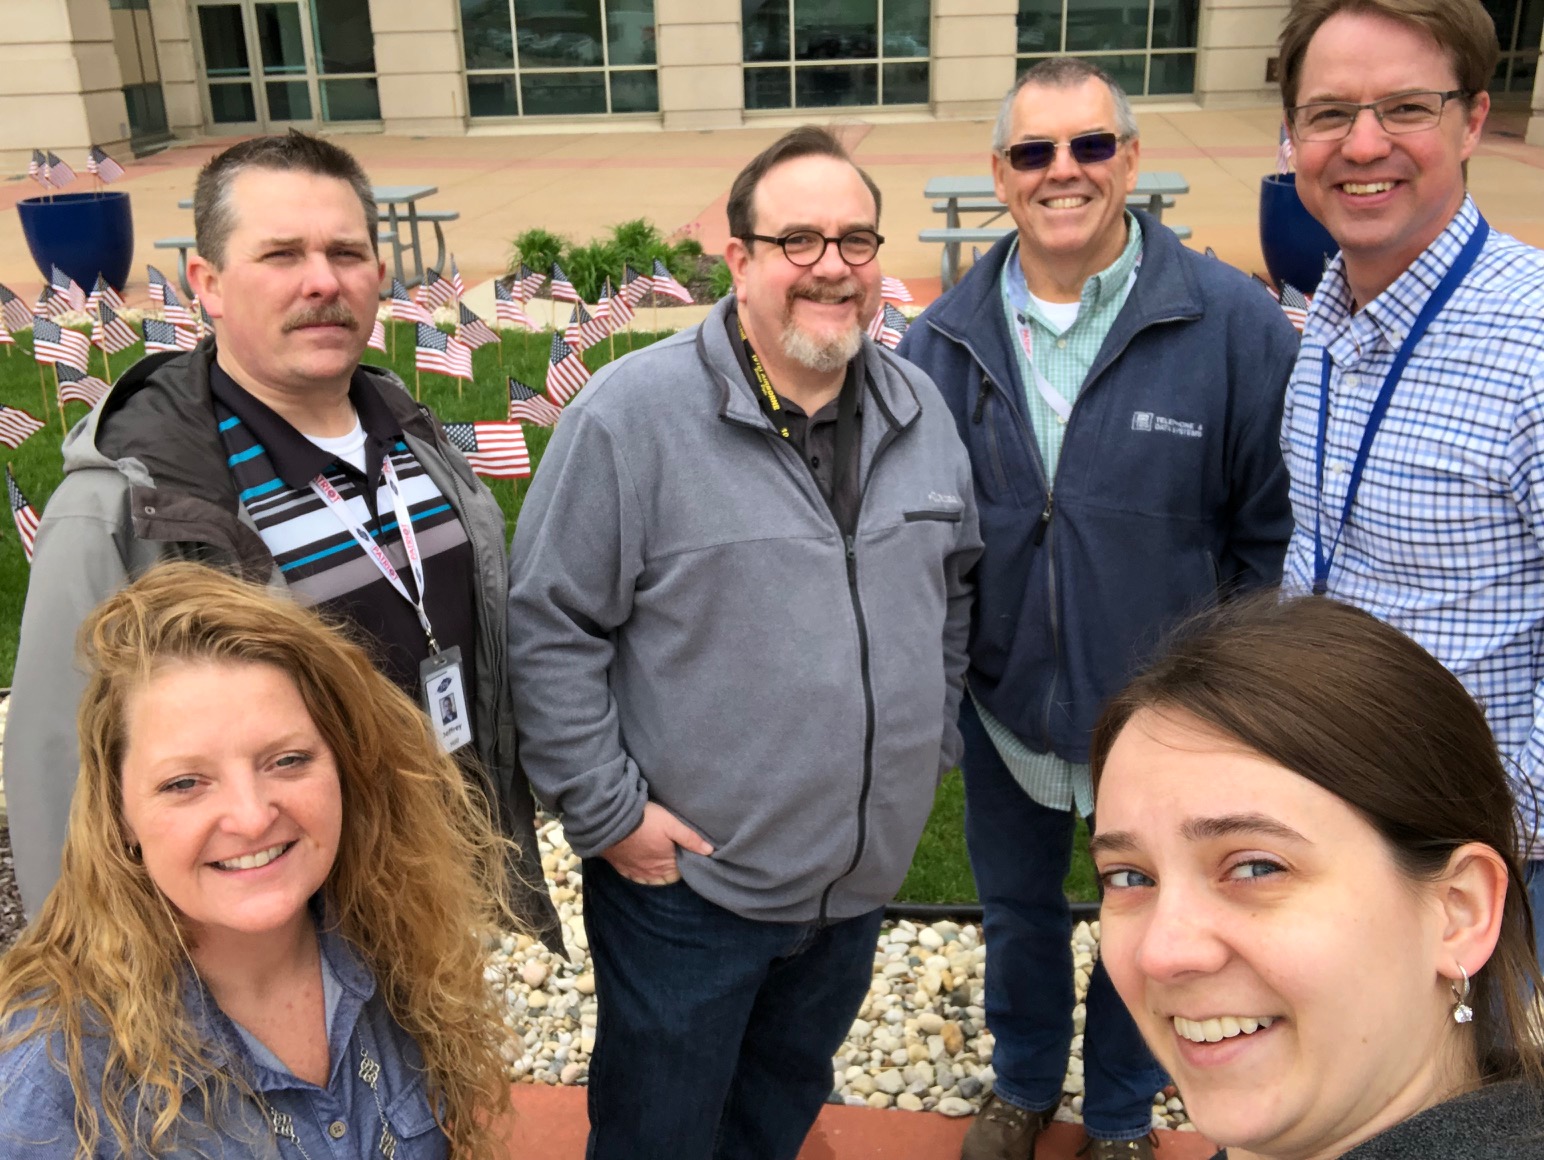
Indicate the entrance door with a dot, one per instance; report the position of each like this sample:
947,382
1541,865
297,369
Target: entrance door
256,65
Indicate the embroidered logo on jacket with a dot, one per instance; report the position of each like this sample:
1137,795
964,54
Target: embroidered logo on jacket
1163,425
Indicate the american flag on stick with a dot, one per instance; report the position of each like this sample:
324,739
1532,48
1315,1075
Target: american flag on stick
47,306
566,373
562,289
110,332
162,336
634,286
102,292
507,308
37,168
59,174
1294,304
15,311
894,289
436,291
377,337
527,282
456,284
665,283
17,426
78,386
442,353
473,330
583,331
52,343
530,406
1284,151
492,448
22,512
67,289
618,309
171,306
403,307
887,326
99,163
6,338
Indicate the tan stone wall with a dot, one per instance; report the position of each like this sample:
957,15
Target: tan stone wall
1536,121
179,67
60,85
1237,37
418,62
700,79
974,51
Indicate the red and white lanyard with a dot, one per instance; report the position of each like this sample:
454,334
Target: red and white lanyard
339,507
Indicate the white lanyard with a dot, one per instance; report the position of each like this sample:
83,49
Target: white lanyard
339,507
1054,399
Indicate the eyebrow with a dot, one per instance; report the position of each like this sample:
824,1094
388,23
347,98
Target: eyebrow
270,243
1333,100
1080,133
1201,830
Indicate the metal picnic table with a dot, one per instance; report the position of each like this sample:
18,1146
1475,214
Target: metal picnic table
977,194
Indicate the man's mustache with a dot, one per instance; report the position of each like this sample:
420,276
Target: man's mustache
335,314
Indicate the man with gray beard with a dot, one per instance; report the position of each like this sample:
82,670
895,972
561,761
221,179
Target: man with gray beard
738,614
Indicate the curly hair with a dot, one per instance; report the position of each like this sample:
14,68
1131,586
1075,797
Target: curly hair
417,888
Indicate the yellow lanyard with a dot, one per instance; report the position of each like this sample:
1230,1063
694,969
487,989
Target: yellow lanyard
773,403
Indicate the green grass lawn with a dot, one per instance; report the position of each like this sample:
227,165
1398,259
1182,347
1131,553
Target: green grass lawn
940,872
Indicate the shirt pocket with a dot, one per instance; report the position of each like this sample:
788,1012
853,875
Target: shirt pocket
412,1121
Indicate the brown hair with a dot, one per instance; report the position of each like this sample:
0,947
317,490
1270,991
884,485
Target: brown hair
1463,29
418,885
214,217
1356,707
805,141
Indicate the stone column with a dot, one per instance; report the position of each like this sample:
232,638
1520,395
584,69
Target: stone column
179,66
60,85
700,78
975,50
1238,39
1536,120
418,64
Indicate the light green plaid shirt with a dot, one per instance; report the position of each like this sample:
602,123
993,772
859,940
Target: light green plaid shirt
1064,357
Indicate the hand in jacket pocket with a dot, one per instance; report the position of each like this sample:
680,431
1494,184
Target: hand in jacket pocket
648,855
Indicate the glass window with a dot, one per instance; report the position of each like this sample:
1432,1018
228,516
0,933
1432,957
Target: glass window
345,40
1148,46
883,46
355,99
288,101
538,58
232,104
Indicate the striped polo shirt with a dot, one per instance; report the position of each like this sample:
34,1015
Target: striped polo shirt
272,465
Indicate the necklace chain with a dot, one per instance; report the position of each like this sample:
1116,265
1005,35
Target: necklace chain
283,1124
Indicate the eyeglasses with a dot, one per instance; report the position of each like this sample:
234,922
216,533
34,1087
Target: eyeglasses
1087,149
807,247
1405,113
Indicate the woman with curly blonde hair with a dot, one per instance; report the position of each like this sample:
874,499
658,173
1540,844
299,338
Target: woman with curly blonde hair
270,930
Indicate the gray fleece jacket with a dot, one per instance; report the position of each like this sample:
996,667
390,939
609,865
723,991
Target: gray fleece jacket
688,625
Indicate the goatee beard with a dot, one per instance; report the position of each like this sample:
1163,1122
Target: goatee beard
824,356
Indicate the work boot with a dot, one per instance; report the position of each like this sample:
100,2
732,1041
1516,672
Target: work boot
1139,1149
1003,1132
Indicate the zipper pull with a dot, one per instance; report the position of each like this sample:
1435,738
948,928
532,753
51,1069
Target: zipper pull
986,389
1045,522
852,550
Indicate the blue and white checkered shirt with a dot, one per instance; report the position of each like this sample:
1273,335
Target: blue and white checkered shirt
1446,539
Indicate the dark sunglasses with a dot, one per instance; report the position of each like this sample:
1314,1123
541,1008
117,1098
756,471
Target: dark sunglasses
1089,149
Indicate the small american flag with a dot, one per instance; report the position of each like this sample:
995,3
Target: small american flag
887,326
162,336
14,310
583,331
566,373
436,291
98,162
528,282
894,289
45,306
52,343
403,307
634,285
21,511
102,292
17,426
665,283
442,353
526,404
205,323
377,337
37,168
492,448
66,288
1294,304
620,310
59,174
171,306
1284,152
473,330
77,386
157,285
6,339
507,308
110,332
562,289
456,284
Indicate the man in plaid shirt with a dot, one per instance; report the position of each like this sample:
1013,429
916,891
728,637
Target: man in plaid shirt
1414,423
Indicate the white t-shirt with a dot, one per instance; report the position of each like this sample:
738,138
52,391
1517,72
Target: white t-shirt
349,448
1061,315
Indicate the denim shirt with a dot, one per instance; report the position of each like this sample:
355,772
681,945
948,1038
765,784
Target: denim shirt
37,1103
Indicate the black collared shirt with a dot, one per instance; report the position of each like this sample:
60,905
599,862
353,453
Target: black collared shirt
273,465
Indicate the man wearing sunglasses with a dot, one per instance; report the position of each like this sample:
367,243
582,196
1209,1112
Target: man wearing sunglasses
1120,397
738,611
1414,427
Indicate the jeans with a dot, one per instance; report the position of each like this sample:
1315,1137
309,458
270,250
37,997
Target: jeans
714,1033
1020,852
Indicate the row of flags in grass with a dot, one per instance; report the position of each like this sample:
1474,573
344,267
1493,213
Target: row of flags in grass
48,170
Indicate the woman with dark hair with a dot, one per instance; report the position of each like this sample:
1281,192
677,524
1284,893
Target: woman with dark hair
1313,904
268,936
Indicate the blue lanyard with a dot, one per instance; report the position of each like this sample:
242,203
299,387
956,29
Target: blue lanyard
1444,291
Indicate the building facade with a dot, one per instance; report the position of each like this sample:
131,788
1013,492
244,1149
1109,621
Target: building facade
138,73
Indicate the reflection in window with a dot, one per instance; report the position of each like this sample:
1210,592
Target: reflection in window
832,53
538,58
1148,46
1519,24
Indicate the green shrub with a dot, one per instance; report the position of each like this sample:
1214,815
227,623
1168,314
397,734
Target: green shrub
538,249
588,267
721,281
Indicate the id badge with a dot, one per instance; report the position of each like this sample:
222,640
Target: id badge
444,698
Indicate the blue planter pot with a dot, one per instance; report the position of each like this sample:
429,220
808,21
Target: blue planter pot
1296,246
84,234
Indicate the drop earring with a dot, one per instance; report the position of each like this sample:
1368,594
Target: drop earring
1462,1012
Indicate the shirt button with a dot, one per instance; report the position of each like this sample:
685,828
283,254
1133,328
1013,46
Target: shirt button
337,1129
814,461
1061,344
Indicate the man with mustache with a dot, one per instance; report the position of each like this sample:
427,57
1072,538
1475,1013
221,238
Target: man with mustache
270,451
738,605
1120,396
